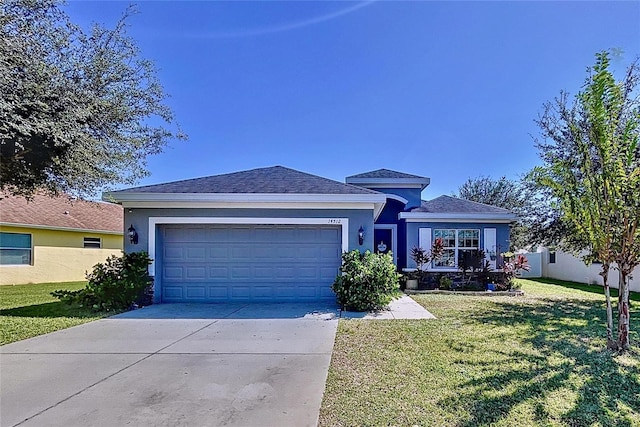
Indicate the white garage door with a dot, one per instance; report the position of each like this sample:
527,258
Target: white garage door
270,263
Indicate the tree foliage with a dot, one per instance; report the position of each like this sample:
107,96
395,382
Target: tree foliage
592,170
79,110
507,194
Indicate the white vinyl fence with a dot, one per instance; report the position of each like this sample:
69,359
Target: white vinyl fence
535,262
568,267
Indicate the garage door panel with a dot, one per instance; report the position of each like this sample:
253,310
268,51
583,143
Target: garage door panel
241,291
241,234
328,273
263,291
327,252
196,252
172,292
173,253
172,273
218,252
262,252
217,234
328,235
241,251
307,272
240,272
264,234
249,263
196,292
218,293
285,273
199,272
218,272
263,272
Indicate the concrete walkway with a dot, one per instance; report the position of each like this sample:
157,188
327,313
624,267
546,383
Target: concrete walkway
403,308
180,365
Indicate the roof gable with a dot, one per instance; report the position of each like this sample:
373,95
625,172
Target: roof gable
63,212
385,173
387,178
270,180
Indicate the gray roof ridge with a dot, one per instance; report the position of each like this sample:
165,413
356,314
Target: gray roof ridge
239,173
330,180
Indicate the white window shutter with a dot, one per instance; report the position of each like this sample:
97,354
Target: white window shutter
490,248
424,240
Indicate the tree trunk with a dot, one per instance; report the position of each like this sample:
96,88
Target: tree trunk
611,343
623,310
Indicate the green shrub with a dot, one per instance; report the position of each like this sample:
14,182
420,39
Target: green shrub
445,283
113,285
367,281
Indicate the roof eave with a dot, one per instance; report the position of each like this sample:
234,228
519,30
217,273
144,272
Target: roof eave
505,218
59,228
120,197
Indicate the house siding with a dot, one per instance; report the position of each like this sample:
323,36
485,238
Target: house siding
139,218
412,233
58,256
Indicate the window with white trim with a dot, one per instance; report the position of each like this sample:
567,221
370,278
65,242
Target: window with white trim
93,242
15,249
456,243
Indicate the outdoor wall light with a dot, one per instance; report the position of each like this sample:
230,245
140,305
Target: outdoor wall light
133,235
361,235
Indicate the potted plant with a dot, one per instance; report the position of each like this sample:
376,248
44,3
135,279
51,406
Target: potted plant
412,280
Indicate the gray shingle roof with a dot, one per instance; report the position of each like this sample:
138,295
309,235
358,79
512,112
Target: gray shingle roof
448,204
385,173
270,180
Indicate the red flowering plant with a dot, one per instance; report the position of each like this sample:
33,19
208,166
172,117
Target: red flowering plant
514,266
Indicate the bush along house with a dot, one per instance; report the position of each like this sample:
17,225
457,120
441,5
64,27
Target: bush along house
277,234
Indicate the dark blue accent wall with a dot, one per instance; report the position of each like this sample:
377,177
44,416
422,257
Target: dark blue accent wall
413,195
390,212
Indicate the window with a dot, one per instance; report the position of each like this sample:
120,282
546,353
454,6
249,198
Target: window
456,243
15,249
92,242
552,257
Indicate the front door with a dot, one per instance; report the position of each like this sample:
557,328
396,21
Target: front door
383,240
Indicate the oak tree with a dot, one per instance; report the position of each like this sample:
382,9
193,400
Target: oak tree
79,109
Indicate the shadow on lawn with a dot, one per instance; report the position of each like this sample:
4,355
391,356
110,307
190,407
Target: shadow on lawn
49,310
562,350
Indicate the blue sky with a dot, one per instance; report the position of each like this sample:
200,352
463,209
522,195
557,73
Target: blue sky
448,90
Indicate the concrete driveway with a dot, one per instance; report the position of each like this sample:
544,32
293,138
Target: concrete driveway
174,365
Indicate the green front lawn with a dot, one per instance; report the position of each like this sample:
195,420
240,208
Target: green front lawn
30,310
537,360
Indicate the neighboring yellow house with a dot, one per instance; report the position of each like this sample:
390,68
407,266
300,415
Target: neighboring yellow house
55,239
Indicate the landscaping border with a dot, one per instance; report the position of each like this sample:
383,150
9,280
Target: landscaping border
472,293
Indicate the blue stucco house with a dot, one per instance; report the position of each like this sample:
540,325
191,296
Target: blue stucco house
277,234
